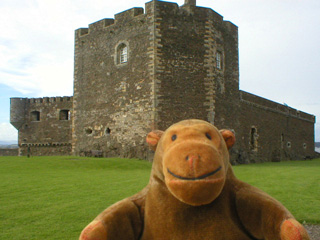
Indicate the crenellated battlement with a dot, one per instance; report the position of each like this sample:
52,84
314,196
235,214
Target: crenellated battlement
169,7
230,26
154,7
128,14
82,31
131,14
119,18
101,24
20,107
46,100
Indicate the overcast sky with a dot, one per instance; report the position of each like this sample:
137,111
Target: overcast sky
279,46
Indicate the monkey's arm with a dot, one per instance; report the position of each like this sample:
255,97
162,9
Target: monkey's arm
266,218
121,221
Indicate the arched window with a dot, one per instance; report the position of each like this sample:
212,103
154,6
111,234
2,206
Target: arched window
64,115
35,116
122,53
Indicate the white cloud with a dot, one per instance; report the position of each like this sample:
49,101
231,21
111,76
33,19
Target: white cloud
8,133
37,41
36,47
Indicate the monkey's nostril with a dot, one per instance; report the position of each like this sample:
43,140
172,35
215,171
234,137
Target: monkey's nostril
187,158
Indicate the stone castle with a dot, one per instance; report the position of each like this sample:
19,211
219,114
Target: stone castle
146,69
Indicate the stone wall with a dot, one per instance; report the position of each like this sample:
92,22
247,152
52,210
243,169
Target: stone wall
9,151
188,82
45,125
273,132
226,79
113,104
180,89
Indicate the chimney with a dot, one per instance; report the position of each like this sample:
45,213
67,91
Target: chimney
190,2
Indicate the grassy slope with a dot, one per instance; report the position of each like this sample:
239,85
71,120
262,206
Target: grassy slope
55,197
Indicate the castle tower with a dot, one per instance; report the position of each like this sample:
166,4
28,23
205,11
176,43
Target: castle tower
196,65
145,70
17,112
44,125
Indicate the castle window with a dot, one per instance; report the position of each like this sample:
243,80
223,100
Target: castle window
219,60
122,53
254,139
282,140
107,131
304,146
65,115
35,116
288,144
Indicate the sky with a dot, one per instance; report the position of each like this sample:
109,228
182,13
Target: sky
279,48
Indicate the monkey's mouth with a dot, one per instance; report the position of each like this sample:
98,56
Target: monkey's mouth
195,178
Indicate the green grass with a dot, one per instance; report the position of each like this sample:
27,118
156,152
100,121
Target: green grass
296,184
55,197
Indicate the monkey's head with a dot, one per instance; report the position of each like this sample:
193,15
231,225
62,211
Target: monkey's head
192,160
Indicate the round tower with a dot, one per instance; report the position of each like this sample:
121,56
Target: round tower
17,112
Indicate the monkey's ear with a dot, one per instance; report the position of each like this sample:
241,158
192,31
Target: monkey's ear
153,138
229,137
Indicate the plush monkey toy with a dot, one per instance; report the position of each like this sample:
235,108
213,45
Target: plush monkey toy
194,195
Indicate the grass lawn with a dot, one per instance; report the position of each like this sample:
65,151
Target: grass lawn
55,197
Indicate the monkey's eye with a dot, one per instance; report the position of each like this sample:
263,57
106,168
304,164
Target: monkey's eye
173,137
208,136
